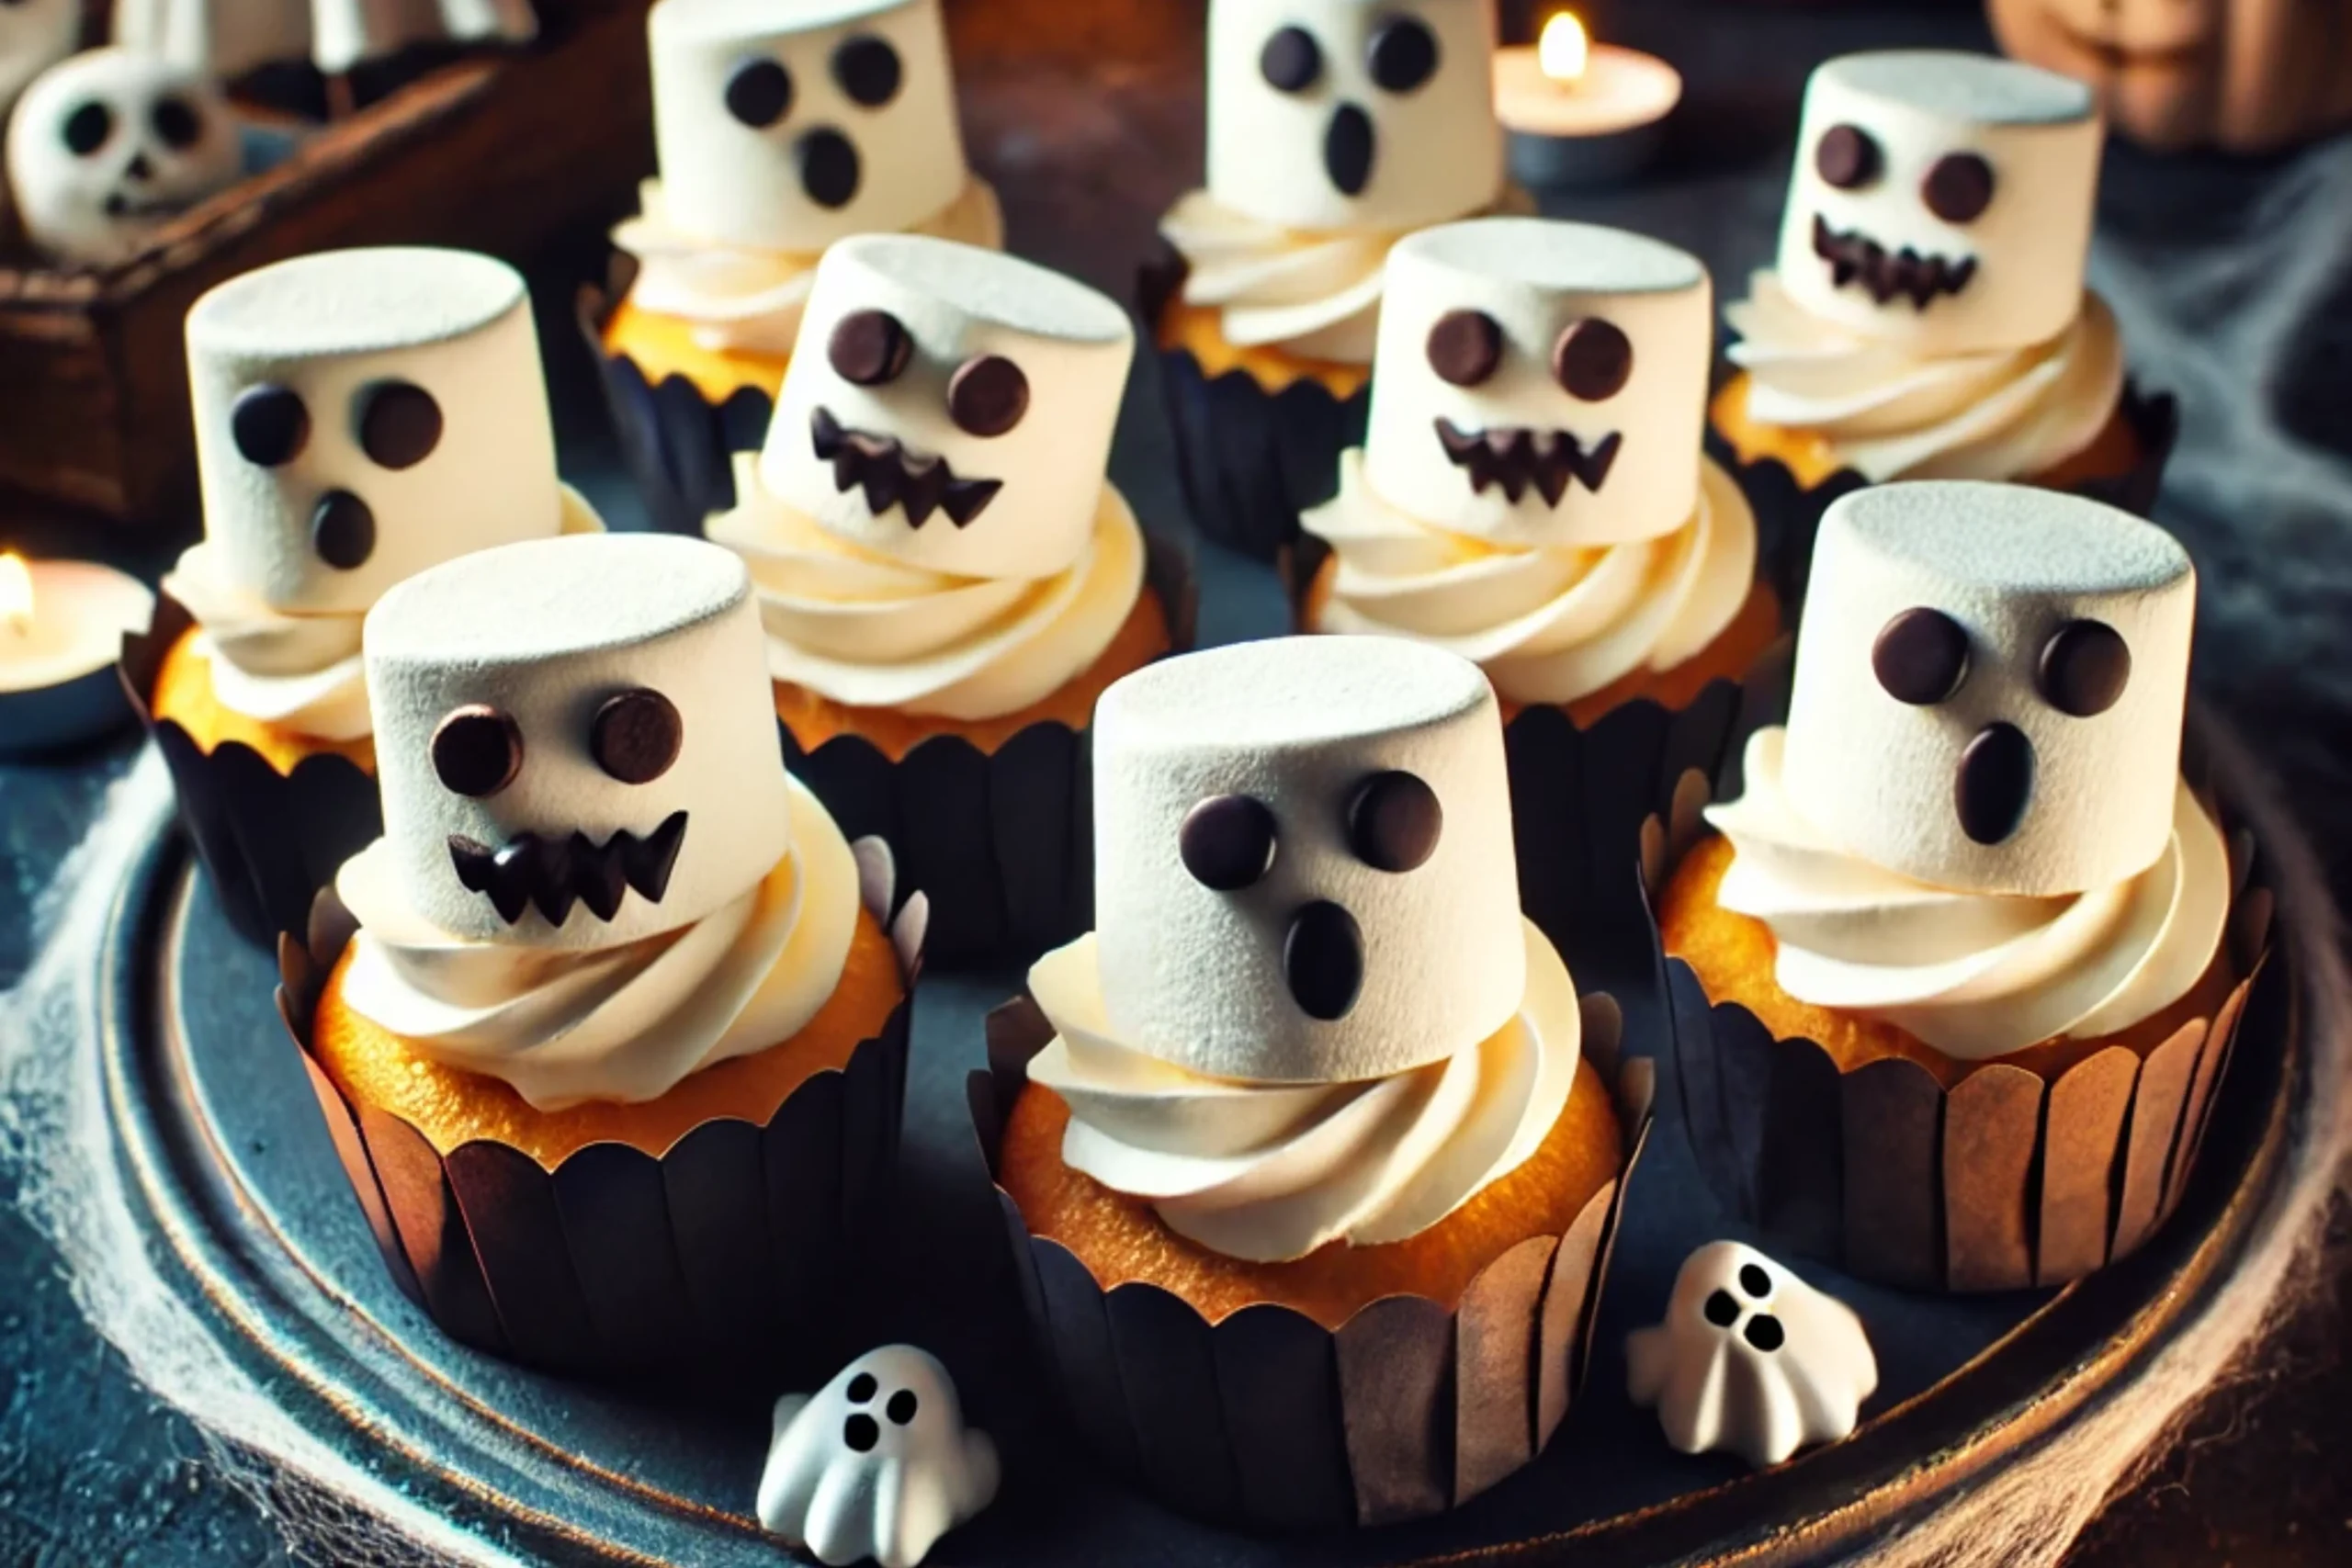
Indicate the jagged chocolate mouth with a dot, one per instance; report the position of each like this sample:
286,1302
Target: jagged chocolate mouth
1520,459
1854,257
879,465
530,869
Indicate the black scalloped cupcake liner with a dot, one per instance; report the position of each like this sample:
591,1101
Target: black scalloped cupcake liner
269,840
1001,842
2006,1180
678,445
1250,461
729,1257
1268,1420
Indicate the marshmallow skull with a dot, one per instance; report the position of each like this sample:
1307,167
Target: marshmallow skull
1352,114
1941,200
950,407
876,1464
105,146
1750,1359
1304,863
362,415
34,35
788,128
1541,383
574,739
2011,663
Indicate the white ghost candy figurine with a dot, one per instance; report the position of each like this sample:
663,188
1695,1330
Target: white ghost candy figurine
34,35
878,1463
1750,1359
102,148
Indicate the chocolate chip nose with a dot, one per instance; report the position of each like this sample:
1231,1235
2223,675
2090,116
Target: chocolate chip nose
1995,784
139,168
1348,148
1323,960
829,167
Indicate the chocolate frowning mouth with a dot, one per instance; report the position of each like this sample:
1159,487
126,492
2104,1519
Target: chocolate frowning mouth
530,869
1856,258
1520,459
879,464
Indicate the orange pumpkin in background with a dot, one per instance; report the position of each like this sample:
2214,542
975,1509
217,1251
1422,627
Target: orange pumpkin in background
2246,75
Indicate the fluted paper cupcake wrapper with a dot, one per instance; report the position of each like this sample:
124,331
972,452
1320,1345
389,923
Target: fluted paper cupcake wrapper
1267,1419
731,1255
1001,842
678,445
268,840
2005,1181
1250,461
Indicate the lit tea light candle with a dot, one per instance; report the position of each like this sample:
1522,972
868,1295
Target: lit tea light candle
1580,112
61,630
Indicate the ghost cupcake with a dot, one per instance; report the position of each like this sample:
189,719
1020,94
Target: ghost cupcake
947,580
778,133
1532,495
1334,128
1970,849
360,416
1252,1087
1927,317
602,919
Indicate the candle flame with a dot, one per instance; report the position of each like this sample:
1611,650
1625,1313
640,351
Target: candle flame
1563,50
15,593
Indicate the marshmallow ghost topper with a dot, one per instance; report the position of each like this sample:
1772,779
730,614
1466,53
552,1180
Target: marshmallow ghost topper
1288,836
950,407
575,740
1352,114
1541,383
1941,200
788,128
105,146
1989,686
362,415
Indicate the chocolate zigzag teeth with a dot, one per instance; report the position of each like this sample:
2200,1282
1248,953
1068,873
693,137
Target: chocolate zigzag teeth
550,872
1519,458
1855,258
879,464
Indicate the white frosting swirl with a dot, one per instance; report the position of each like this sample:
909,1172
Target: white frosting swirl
294,671
1974,974
623,1024
1547,625
869,631
1315,295
747,300
1269,1171
1890,413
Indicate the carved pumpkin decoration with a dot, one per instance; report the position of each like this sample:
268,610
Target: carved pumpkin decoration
2241,75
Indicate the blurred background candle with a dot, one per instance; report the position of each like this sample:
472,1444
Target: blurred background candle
61,631
1580,112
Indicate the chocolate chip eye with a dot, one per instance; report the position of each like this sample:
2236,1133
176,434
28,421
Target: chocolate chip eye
1959,187
636,735
86,128
1847,157
1765,1333
861,1388
987,396
902,1407
400,424
1754,1281
1402,55
270,425
1722,1308
1920,657
759,93
1394,821
869,348
2084,668
1464,348
1593,360
176,121
1291,61
343,530
1228,842
476,750
866,68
